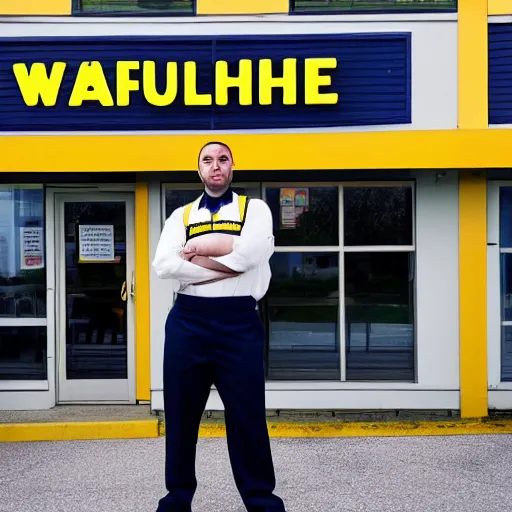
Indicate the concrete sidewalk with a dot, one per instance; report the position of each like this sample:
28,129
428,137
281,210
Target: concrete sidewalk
80,413
415,474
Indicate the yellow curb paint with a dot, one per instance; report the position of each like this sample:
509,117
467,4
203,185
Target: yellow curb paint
388,429
74,431
318,430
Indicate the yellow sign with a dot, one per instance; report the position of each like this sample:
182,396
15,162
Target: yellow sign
40,84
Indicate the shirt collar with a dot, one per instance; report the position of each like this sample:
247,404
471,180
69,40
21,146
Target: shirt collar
214,204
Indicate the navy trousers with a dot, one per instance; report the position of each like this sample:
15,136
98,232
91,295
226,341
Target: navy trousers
216,341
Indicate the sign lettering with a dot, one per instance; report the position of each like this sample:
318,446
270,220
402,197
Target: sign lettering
41,83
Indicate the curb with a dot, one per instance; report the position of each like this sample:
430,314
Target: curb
75,431
384,429
151,429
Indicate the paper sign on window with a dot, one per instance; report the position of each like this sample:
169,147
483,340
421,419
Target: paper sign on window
32,248
287,208
293,203
96,243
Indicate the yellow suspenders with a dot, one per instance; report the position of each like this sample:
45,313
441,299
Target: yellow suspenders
243,202
186,214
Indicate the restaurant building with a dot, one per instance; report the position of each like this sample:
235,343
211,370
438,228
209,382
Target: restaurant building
378,135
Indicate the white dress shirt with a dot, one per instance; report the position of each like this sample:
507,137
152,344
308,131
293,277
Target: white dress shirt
251,253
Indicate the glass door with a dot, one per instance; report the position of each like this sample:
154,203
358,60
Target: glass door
95,263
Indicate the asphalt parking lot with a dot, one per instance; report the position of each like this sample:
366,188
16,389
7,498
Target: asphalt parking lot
424,474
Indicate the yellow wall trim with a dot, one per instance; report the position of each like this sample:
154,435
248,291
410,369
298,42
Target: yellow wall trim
499,7
142,312
35,7
376,150
473,72
209,7
473,294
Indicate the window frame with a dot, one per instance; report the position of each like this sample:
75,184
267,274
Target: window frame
341,249
341,383
359,12
76,12
494,299
5,321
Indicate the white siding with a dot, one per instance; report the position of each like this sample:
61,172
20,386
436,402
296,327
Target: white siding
437,281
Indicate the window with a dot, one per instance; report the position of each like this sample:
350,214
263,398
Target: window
378,216
379,316
506,282
314,223
22,284
135,7
379,273
303,316
370,253
303,302
340,305
351,6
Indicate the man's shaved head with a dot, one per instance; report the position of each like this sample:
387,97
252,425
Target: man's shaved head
211,144
216,167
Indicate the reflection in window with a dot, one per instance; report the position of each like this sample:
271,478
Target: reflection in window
373,5
23,353
506,286
303,309
379,316
506,354
506,217
22,254
378,215
304,216
140,7
506,281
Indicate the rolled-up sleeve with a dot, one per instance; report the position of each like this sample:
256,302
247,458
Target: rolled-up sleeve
256,241
168,263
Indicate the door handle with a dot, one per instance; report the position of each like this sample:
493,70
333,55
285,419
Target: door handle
132,287
123,292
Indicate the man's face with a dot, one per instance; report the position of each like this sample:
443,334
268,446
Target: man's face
216,167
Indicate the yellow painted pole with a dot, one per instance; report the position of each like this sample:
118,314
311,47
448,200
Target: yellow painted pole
473,58
142,322
473,294
473,115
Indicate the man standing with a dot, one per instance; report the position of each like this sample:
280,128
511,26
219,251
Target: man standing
217,252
